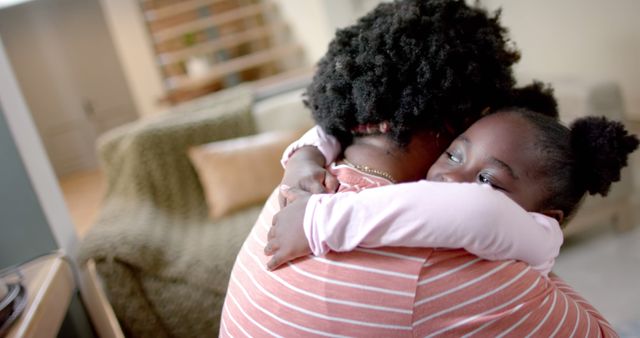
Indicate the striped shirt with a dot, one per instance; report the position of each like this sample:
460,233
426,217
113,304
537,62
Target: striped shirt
397,292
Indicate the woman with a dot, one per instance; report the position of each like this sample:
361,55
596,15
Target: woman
428,68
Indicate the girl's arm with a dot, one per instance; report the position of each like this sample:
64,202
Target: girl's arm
477,218
305,163
328,146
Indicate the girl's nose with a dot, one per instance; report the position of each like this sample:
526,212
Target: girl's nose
455,176
449,177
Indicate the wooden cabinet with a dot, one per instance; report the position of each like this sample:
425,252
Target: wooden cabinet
203,46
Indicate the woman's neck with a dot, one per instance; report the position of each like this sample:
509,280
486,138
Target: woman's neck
407,164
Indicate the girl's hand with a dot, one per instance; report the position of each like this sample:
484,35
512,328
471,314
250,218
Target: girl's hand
286,240
305,171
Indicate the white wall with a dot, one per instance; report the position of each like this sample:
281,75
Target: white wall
314,22
135,51
589,39
309,24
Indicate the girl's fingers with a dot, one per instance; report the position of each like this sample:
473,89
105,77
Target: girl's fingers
282,201
270,248
292,194
331,183
312,184
272,233
273,263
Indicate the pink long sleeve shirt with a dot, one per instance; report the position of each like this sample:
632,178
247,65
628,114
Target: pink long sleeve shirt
326,144
474,217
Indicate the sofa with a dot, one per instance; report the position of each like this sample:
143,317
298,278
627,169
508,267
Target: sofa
163,261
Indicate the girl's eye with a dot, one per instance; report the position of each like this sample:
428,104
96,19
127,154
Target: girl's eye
486,179
453,157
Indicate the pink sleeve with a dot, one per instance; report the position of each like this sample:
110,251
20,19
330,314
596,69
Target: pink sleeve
481,220
327,144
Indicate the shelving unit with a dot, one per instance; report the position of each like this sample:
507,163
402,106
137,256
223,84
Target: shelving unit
229,41
203,46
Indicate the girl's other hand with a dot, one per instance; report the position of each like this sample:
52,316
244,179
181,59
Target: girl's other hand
293,194
286,240
305,171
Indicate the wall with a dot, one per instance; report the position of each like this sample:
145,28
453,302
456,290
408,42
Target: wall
590,39
135,52
313,32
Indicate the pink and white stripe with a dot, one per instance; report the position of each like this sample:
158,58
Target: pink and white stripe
397,292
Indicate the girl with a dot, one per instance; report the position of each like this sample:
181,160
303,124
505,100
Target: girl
524,156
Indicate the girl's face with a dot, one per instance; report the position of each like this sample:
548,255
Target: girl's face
498,150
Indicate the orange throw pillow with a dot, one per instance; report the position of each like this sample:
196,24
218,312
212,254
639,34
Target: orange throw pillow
242,171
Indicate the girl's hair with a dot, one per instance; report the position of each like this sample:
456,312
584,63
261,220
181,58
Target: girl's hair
585,157
414,64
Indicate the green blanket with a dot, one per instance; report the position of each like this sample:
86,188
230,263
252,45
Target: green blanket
164,264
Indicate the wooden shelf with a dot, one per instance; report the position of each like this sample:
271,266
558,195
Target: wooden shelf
235,65
204,23
190,35
221,43
50,285
177,8
102,316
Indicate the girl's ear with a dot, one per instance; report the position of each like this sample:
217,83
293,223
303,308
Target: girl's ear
554,213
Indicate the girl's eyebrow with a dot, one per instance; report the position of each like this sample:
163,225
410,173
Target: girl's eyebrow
505,167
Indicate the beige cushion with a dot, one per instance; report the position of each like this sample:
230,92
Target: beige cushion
242,171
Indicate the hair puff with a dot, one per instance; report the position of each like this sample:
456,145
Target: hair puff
601,148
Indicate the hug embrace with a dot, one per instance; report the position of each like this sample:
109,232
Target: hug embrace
439,191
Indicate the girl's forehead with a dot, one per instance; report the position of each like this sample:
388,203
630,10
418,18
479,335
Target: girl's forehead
502,125
505,137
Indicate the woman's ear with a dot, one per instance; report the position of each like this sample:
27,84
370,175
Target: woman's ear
554,213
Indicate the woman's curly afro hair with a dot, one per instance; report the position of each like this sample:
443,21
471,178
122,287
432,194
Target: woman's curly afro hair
416,64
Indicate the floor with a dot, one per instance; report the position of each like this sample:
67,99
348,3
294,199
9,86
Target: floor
83,193
600,263
604,266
